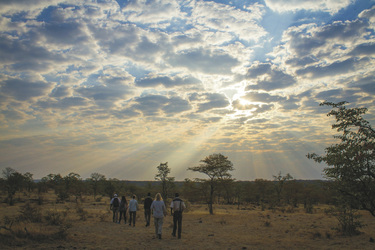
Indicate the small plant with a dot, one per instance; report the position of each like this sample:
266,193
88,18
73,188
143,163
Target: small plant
40,200
263,206
81,212
63,232
223,221
316,235
309,208
267,223
290,209
54,218
328,235
8,222
62,196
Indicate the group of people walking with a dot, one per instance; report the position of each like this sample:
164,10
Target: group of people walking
155,206
120,207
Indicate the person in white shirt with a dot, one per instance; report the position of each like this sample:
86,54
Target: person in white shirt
133,207
159,211
177,207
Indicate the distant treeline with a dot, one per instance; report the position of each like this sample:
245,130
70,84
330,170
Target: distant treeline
266,193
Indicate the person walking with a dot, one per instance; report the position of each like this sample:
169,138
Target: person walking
177,207
158,211
133,207
147,208
114,206
123,206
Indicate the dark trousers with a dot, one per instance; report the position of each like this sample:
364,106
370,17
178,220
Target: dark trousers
132,215
177,222
147,216
122,213
115,214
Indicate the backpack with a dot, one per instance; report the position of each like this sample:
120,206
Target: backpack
115,202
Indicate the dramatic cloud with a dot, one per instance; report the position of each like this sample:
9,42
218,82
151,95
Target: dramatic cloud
64,103
331,6
267,77
167,81
23,90
242,24
155,104
117,87
209,101
200,60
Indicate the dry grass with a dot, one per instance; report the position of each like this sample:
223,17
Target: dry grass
89,226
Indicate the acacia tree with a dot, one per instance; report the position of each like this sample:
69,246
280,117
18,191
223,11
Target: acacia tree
216,167
162,175
351,162
279,186
13,182
95,180
29,181
73,185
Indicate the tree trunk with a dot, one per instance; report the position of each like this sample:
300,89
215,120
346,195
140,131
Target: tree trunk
211,199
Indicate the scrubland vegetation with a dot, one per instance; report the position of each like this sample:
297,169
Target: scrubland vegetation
254,216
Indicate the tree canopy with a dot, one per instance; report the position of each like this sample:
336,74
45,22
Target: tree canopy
351,161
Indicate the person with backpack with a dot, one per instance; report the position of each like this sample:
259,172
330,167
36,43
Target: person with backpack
123,207
133,207
114,206
177,207
147,208
159,211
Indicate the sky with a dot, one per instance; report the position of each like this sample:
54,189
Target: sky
118,87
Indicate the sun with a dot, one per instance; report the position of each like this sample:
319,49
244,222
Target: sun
240,104
244,102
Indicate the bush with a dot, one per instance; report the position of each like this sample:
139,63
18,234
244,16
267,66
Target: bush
316,235
30,213
8,222
55,218
348,219
63,232
62,196
267,223
309,208
81,212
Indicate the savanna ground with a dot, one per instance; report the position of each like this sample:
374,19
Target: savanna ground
88,225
